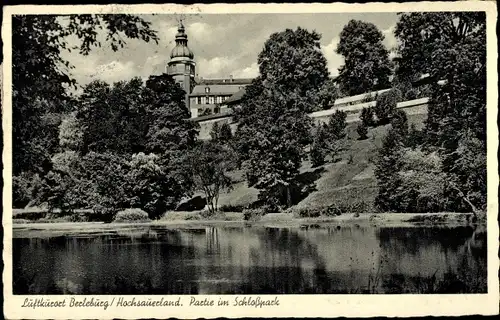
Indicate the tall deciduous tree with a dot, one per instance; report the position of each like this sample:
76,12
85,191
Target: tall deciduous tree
126,98
273,127
292,63
98,118
367,66
170,128
451,48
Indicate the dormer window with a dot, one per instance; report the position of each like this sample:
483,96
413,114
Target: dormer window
207,90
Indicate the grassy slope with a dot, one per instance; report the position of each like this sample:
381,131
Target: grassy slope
348,180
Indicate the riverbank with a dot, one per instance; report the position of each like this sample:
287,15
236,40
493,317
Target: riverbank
182,220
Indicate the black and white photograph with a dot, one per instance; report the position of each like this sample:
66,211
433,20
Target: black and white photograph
253,155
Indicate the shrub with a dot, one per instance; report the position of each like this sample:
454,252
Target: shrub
176,216
308,213
337,124
342,207
331,211
319,148
362,131
399,122
231,208
206,214
386,104
221,133
58,190
350,160
25,189
103,213
211,215
193,217
367,117
18,221
78,217
133,214
193,204
155,186
253,214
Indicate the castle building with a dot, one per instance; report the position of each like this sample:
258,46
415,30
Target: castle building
213,100
205,98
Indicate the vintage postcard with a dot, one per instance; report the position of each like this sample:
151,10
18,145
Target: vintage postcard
250,160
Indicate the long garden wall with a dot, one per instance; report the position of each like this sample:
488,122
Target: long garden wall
417,106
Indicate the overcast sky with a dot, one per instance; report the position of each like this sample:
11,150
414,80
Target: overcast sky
223,44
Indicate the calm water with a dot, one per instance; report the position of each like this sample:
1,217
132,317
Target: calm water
157,260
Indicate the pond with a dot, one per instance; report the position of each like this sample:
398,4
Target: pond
251,259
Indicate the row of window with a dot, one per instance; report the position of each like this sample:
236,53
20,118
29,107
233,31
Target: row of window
207,89
208,111
180,68
211,99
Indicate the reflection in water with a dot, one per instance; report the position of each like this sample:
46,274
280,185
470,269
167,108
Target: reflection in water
156,260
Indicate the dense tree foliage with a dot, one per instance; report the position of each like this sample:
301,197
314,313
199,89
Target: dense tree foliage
40,76
366,60
274,127
275,146
123,147
155,186
225,133
85,181
221,133
399,123
291,63
70,133
40,79
169,126
451,49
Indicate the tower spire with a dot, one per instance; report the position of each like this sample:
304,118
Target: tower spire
181,65
181,43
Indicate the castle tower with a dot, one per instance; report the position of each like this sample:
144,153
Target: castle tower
181,65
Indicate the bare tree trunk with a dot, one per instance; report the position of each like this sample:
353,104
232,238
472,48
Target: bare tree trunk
212,206
288,197
475,211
